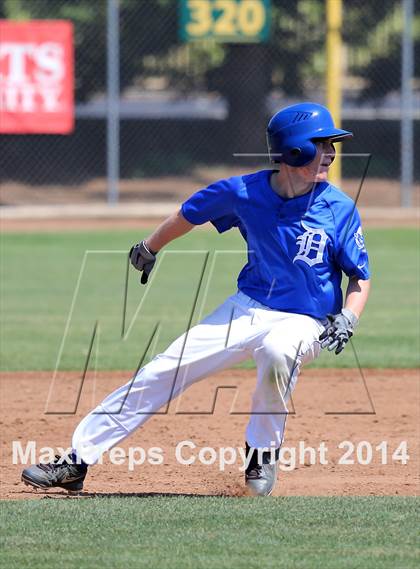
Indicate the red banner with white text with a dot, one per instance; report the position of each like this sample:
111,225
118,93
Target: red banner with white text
36,77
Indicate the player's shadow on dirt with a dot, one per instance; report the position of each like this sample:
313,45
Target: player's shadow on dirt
149,495
61,495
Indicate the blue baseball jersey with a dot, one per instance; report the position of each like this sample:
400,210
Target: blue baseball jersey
298,248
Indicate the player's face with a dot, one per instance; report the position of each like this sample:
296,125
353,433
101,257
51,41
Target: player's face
317,170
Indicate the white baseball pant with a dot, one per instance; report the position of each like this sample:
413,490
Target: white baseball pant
239,329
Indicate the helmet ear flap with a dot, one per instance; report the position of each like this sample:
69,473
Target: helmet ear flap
300,154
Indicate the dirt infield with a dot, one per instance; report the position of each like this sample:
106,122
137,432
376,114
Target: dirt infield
375,217
375,191
379,203
329,406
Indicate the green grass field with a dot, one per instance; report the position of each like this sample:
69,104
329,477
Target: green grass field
213,533
40,273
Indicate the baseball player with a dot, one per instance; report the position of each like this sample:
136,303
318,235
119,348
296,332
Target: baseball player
302,234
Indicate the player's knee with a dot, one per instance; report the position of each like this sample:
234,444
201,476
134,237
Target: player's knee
278,360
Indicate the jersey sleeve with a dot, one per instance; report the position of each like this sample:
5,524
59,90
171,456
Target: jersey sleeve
225,222
215,203
351,254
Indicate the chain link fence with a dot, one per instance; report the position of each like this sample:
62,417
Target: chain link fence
186,108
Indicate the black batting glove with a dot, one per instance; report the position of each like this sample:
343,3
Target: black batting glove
142,259
338,330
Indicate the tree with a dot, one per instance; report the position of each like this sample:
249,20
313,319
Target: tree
291,64
292,61
374,31
140,22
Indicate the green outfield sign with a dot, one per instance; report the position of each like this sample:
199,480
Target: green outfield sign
245,21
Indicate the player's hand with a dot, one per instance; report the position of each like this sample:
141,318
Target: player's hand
142,259
338,330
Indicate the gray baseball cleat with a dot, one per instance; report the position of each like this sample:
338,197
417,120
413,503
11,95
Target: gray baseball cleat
261,473
62,473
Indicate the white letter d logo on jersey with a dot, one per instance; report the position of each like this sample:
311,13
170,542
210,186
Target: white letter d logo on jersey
311,245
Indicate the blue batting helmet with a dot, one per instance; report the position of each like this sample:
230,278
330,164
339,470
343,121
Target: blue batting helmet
293,131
